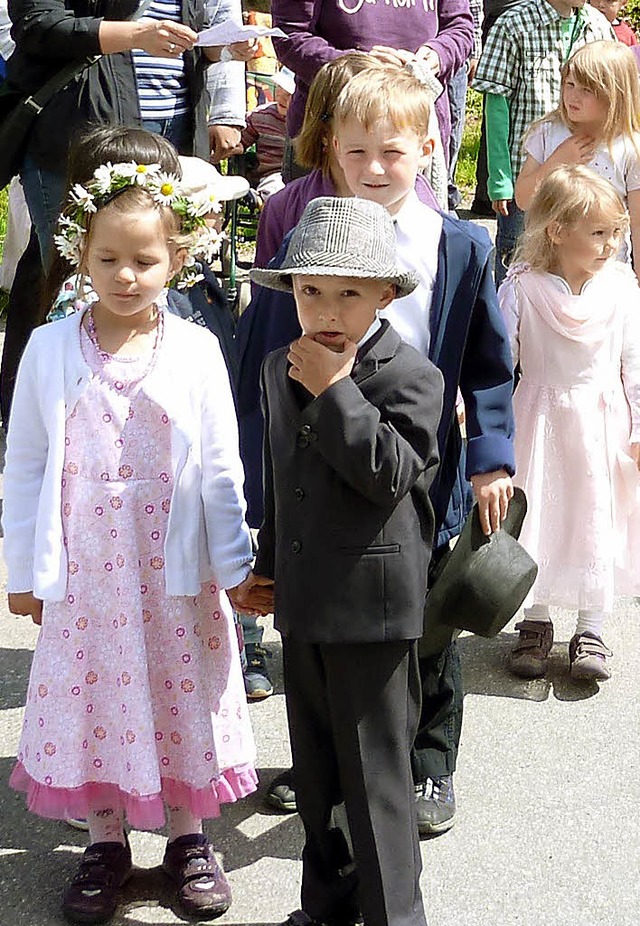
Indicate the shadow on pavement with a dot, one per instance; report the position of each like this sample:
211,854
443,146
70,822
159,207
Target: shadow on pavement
15,665
38,857
485,672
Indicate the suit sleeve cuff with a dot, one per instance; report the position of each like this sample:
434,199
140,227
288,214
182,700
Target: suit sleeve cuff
487,454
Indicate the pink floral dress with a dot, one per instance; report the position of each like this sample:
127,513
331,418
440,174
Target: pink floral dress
135,698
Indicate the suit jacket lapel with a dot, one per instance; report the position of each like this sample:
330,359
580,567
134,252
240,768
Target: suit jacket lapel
438,312
382,349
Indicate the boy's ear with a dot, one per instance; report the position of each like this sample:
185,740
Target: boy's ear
387,296
427,150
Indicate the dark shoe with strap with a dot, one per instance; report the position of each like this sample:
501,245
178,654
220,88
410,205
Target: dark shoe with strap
529,658
202,888
300,918
435,805
588,657
92,896
257,683
281,793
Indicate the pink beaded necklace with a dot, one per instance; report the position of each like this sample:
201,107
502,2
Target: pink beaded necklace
105,358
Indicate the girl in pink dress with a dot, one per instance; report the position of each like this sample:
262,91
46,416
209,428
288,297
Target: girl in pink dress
573,314
124,524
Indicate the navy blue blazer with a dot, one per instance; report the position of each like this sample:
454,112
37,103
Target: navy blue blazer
468,344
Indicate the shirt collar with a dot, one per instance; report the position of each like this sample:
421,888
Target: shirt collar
405,217
548,13
561,283
375,325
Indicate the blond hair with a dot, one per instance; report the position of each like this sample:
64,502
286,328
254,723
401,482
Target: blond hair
387,94
609,71
311,144
566,197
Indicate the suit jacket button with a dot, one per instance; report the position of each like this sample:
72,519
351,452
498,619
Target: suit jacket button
299,493
296,546
306,429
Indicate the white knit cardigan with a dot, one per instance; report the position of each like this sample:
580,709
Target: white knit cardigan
207,536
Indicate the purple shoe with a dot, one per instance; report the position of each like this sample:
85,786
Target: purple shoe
92,896
203,890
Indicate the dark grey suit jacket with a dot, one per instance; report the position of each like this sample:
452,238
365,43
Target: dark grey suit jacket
348,523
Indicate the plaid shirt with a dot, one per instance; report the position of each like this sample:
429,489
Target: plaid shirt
478,15
522,60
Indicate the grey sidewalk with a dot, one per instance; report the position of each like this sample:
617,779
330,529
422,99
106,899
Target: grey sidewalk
548,786
548,791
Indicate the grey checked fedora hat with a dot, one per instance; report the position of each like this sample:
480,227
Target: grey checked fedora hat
480,584
342,238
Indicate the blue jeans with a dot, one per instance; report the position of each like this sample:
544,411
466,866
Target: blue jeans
510,227
43,191
457,90
252,632
176,129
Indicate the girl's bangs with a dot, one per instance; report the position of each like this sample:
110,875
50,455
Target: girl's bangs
590,75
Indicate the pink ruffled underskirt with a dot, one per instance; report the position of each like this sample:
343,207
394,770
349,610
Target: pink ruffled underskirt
143,813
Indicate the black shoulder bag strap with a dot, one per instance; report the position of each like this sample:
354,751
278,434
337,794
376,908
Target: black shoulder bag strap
37,101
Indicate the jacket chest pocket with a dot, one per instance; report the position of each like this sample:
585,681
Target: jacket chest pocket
382,549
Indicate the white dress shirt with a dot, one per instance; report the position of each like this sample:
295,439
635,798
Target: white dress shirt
418,231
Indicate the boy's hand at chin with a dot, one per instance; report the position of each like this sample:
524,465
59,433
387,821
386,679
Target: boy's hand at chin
318,366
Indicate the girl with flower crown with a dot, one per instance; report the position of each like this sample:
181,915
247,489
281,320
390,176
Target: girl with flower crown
124,524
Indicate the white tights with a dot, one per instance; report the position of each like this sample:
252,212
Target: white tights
107,824
588,621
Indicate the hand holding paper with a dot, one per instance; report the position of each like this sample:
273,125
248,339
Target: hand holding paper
228,33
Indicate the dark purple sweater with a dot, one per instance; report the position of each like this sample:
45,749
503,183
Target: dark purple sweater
282,211
321,30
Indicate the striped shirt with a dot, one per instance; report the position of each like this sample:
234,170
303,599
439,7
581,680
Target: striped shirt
162,86
523,57
267,129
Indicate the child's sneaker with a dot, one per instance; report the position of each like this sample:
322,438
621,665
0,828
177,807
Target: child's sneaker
202,889
257,683
435,805
588,657
529,658
92,897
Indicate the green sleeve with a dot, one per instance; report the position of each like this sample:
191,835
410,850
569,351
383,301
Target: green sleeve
500,185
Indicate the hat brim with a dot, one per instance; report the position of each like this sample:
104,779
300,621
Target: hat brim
285,82
280,279
482,581
231,187
199,175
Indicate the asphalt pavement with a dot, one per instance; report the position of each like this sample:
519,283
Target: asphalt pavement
548,788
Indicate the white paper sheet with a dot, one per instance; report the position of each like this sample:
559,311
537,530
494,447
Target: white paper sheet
229,32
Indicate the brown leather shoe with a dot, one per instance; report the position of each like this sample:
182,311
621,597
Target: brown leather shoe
92,896
203,890
529,658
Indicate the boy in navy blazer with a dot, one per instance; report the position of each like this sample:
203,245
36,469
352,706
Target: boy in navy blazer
351,415
454,319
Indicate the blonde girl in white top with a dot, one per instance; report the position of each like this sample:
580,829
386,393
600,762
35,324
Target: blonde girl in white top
597,124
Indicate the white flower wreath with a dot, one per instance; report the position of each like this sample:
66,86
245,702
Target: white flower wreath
165,189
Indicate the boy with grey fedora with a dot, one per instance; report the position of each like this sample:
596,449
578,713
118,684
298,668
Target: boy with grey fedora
351,416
